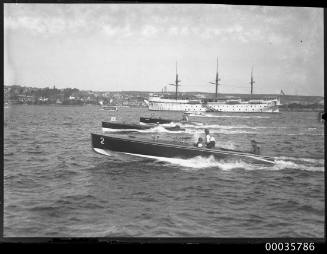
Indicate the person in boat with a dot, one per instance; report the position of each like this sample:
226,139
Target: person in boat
185,118
210,141
255,147
199,143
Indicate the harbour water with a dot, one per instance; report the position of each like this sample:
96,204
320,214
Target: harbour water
56,186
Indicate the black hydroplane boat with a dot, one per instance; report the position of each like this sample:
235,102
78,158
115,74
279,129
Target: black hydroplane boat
154,120
141,147
125,126
151,120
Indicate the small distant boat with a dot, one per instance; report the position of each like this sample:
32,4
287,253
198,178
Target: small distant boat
194,113
154,120
110,108
139,147
125,126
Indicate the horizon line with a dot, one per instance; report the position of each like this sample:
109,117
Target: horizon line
159,92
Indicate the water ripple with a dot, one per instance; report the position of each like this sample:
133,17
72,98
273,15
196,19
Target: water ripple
55,185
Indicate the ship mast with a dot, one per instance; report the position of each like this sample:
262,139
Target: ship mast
252,81
177,81
217,81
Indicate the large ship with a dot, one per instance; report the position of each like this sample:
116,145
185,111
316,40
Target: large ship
270,105
162,104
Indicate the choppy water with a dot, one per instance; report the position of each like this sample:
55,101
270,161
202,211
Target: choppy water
55,185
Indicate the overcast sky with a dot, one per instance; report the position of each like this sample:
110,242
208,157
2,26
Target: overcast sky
119,47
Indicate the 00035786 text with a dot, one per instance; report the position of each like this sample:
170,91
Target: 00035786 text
289,246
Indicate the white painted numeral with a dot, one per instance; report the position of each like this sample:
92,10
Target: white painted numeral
102,140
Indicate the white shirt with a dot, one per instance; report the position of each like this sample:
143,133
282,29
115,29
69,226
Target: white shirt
212,139
208,138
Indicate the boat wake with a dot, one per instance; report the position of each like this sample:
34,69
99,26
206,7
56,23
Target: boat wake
101,151
308,164
196,128
160,129
228,127
211,162
183,124
155,129
231,129
199,162
310,160
280,164
305,134
226,116
220,131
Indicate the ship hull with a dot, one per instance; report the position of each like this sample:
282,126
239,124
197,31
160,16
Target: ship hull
242,107
158,149
171,106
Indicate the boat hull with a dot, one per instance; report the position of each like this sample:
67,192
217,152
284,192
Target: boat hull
110,125
159,149
109,108
123,126
154,120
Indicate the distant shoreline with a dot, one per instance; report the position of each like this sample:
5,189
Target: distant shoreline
281,109
301,110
